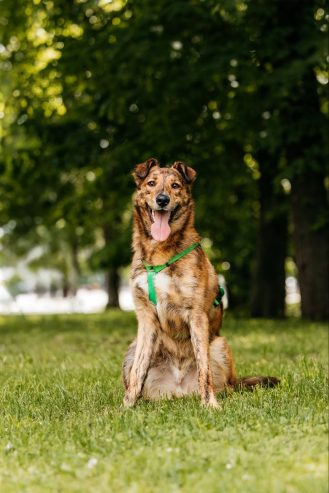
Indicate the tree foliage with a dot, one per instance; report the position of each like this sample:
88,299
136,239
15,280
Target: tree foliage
93,87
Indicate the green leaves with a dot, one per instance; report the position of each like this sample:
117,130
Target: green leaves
91,88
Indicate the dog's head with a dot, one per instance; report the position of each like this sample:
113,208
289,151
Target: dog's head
163,196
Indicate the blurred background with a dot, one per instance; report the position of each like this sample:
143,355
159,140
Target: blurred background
236,88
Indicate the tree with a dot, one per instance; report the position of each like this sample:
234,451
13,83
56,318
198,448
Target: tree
92,88
298,132
280,106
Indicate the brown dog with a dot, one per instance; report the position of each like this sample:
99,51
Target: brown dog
177,350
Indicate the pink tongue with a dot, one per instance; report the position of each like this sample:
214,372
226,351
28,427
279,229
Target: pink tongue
160,229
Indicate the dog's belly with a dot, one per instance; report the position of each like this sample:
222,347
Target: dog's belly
170,376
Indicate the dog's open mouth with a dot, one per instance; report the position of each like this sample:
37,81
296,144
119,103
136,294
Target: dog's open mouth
160,227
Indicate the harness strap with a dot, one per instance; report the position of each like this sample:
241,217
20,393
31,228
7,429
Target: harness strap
152,271
220,294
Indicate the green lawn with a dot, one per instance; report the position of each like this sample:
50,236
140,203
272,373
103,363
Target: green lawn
62,427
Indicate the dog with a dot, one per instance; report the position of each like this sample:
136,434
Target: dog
178,350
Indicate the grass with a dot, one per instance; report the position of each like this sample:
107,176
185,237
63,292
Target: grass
62,427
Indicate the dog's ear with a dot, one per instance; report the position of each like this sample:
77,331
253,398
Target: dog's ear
142,170
188,174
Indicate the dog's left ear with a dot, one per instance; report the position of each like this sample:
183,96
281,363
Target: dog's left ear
142,170
189,174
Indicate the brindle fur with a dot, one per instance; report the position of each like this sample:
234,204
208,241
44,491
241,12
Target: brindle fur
178,350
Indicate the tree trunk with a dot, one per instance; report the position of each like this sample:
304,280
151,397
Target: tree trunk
311,245
268,294
65,288
308,200
74,267
112,285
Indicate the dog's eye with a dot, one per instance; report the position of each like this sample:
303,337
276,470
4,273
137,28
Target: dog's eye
175,185
151,183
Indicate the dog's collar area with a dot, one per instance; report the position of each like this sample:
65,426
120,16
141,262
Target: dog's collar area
153,270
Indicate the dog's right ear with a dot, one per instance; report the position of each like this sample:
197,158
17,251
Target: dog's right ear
142,170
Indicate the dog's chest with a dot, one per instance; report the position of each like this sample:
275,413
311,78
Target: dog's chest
163,283
172,306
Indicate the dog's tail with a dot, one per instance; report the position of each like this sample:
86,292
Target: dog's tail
251,382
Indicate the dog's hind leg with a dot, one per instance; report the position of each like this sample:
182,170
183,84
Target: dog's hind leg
128,363
223,370
222,364
216,320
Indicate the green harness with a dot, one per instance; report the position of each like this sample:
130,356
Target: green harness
153,270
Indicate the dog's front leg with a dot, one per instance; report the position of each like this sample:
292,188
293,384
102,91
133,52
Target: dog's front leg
146,341
199,326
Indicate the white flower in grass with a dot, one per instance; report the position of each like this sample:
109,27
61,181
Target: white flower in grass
92,462
9,447
65,467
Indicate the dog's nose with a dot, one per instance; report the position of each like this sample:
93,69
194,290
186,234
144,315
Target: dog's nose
162,200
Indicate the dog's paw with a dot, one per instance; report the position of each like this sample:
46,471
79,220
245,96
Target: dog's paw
129,401
211,403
